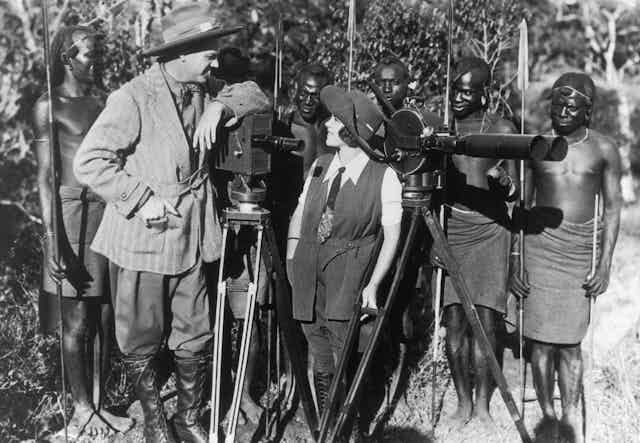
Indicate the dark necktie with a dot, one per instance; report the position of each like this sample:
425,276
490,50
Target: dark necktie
192,104
326,221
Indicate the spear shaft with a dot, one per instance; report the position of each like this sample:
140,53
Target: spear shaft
55,203
523,83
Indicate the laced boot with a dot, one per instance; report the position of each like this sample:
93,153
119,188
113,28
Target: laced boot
190,378
322,383
142,371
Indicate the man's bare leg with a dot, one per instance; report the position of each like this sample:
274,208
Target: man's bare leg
484,384
457,347
543,357
570,370
120,424
85,421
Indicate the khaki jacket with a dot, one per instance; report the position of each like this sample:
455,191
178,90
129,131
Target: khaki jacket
137,145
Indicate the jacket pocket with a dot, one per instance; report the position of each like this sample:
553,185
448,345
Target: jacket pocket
140,239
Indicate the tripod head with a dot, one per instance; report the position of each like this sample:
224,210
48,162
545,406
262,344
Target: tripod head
246,151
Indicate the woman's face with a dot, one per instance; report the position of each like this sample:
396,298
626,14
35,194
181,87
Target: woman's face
333,132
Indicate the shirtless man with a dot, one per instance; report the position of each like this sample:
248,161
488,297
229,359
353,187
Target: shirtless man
83,273
304,121
558,246
392,77
479,237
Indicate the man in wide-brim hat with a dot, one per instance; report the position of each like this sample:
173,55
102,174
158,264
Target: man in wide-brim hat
146,157
348,200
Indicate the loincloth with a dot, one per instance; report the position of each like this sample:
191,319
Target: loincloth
557,259
87,271
481,247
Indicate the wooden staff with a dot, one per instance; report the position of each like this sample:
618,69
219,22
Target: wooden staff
441,218
436,332
55,202
591,343
523,83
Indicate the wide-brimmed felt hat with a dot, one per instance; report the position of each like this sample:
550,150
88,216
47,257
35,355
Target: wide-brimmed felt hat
357,112
188,28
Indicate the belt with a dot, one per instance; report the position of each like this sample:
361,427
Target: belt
192,184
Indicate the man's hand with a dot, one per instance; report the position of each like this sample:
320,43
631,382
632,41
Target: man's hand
56,267
369,294
154,212
598,282
205,135
519,287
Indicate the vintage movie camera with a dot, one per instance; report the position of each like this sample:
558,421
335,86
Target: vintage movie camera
418,153
246,151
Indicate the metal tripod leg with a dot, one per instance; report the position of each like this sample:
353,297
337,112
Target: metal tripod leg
245,343
218,338
383,315
444,251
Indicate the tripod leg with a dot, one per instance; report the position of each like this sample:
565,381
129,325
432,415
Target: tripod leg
218,338
374,341
350,342
244,346
267,412
290,332
444,251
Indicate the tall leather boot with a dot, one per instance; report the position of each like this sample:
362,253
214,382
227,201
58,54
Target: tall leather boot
322,383
190,378
142,371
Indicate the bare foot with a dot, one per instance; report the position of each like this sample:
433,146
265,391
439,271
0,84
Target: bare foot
119,424
86,423
482,416
483,426
453,422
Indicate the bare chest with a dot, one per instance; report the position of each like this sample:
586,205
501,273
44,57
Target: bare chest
75,116
582,160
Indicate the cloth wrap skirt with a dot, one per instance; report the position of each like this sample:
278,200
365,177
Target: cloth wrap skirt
558,260
87,271
481,247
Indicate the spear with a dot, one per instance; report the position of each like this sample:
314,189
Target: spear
586,387
351,36
55,202
523,84
441,219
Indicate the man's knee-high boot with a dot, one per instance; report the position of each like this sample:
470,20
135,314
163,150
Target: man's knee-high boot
142,370
190,378
322,383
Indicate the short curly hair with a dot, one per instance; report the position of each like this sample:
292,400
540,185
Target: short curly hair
390,60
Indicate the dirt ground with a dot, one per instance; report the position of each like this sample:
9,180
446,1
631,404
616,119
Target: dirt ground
612,375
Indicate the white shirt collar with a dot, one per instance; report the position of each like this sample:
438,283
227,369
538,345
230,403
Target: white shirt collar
353,169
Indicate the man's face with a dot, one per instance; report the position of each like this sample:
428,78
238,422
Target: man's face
83,63
196,65
466,96
393,84
308,98
333,132
569,112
